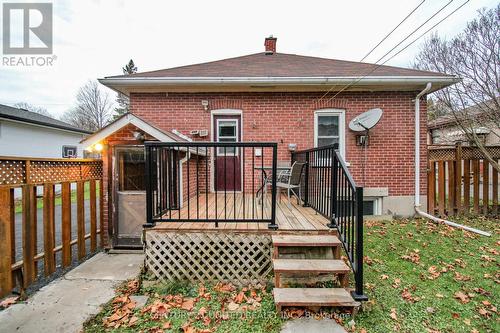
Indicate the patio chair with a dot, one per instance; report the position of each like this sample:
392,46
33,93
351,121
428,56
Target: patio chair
293,183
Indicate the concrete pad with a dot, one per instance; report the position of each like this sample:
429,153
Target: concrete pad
113,267
311,325
66,303
61,306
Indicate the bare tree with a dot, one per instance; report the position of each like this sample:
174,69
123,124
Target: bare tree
473,55
33,108
93,108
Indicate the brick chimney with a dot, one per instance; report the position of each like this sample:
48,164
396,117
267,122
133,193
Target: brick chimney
270,44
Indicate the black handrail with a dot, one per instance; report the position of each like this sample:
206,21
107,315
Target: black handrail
330,190
209,182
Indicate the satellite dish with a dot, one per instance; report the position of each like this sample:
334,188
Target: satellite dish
366,120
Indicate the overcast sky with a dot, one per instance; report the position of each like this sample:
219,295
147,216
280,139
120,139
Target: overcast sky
93,38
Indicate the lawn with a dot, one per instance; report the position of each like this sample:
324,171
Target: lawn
181,307
419,277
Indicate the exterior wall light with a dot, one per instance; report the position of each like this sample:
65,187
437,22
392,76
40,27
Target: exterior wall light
204,103
98,147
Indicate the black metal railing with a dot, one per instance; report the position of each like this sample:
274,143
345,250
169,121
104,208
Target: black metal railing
330,190
211,182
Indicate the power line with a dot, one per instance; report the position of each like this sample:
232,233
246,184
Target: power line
390,33
404,48
420,26
407,16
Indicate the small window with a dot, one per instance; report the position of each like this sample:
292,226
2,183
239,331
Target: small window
131,168
329,129
369,207
69,152
227,131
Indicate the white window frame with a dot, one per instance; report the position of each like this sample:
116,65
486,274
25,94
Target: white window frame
235,120
377,205
331,112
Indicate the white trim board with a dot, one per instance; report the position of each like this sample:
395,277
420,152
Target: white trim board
333,112
122,122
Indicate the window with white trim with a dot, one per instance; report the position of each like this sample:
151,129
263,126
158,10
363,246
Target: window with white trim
227,131
329,128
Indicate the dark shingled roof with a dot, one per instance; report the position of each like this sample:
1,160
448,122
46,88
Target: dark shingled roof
8,112
281,65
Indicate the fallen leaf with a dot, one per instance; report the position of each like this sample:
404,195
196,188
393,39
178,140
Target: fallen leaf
430,309
8,301
133,321
439,295
483,312
166,325
393,314
384,277
187,328
240,297
202,311
462,297
232,306
188,304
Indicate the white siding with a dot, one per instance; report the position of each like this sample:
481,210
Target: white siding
27,140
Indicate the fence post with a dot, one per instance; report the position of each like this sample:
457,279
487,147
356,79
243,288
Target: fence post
5,243
333,193
273,224
149,194
306,185
458,177
358,294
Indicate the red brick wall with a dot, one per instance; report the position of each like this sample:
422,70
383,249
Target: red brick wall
289,118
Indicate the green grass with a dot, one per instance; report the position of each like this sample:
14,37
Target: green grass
461,262
39,204
432,306
262,319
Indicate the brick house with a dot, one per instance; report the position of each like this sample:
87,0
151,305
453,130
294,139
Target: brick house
299,102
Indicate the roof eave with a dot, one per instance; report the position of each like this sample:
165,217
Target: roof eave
131,82
44,124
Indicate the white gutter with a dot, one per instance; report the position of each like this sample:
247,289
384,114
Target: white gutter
141,81
417,172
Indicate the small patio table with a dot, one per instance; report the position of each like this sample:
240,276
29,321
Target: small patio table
267,176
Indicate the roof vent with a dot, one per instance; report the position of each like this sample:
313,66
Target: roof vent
270,44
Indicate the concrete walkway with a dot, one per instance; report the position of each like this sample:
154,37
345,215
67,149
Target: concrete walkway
65,303
311,325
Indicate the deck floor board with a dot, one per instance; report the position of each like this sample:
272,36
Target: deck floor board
293,218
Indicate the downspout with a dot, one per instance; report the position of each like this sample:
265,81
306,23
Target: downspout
417,172
181,188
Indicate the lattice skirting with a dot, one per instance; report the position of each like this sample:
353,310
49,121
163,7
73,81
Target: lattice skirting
240,258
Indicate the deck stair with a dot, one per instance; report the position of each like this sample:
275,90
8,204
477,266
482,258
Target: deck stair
311,297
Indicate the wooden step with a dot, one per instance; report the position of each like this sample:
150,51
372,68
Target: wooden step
310,266
305,240
313,297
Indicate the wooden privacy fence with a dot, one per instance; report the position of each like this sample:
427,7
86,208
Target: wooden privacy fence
30,187
461,180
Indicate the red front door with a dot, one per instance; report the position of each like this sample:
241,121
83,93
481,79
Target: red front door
227,163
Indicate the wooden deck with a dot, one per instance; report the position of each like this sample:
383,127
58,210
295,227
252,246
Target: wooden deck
239,206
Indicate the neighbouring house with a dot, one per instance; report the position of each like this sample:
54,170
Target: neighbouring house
445,130
298,102
28,134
